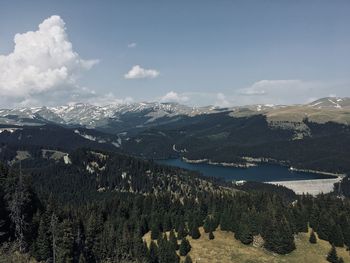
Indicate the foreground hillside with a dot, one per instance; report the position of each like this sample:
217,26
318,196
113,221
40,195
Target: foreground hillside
224,248
95,206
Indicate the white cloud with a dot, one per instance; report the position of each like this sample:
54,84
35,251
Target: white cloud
132,45
222,100
137,72
43,62
174,97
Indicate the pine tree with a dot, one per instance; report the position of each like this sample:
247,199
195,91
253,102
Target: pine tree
195,234
185,247
182,231
188,259
4,216
173,239
166,252
325,225
336,236
211,235
226,221
279,237
314,217
155,230
207,225
167,224
18,197
43,241
332,255
65,242
153,253
93,237
244,234
312,238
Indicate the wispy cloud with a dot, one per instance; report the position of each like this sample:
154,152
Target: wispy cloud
132,45
137,72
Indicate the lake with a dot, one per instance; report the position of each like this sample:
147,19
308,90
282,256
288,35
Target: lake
261,173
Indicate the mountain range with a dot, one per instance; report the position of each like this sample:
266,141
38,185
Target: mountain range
313,136
151,113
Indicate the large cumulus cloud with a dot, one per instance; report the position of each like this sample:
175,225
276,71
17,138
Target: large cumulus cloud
43,62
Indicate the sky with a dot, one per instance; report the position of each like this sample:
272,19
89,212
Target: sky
194,52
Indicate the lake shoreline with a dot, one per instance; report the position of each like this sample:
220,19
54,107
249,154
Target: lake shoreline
256,161
259,172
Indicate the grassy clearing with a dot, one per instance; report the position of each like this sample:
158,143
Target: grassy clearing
225,248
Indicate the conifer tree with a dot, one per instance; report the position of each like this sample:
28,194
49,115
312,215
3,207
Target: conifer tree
65,242
188,259
312,238
4,216
279,237
166,252
182,231
244,234
207,225
336,236
43,241
225,221
153,253
173,239
314,217
155,230
19,199
325,225
211,235
93,237
332,255
185,247
195,234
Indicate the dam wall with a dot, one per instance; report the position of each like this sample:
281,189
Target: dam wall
313,187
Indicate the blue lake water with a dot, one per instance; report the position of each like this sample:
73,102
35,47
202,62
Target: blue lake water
261,173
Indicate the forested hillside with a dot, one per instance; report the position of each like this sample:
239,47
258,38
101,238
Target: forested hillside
221,138
98,206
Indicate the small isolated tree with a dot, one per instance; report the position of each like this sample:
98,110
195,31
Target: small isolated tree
188,259
185,247
211,235
332,255
195,234
312,238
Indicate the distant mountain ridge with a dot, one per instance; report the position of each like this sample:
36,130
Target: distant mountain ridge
92,116
148,113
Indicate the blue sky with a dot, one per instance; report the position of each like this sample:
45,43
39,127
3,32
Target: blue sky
192,52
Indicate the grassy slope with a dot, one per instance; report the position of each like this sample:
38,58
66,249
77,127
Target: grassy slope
225,248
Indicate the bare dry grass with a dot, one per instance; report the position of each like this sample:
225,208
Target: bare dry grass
225,248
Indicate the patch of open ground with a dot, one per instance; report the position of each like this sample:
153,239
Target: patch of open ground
225,248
